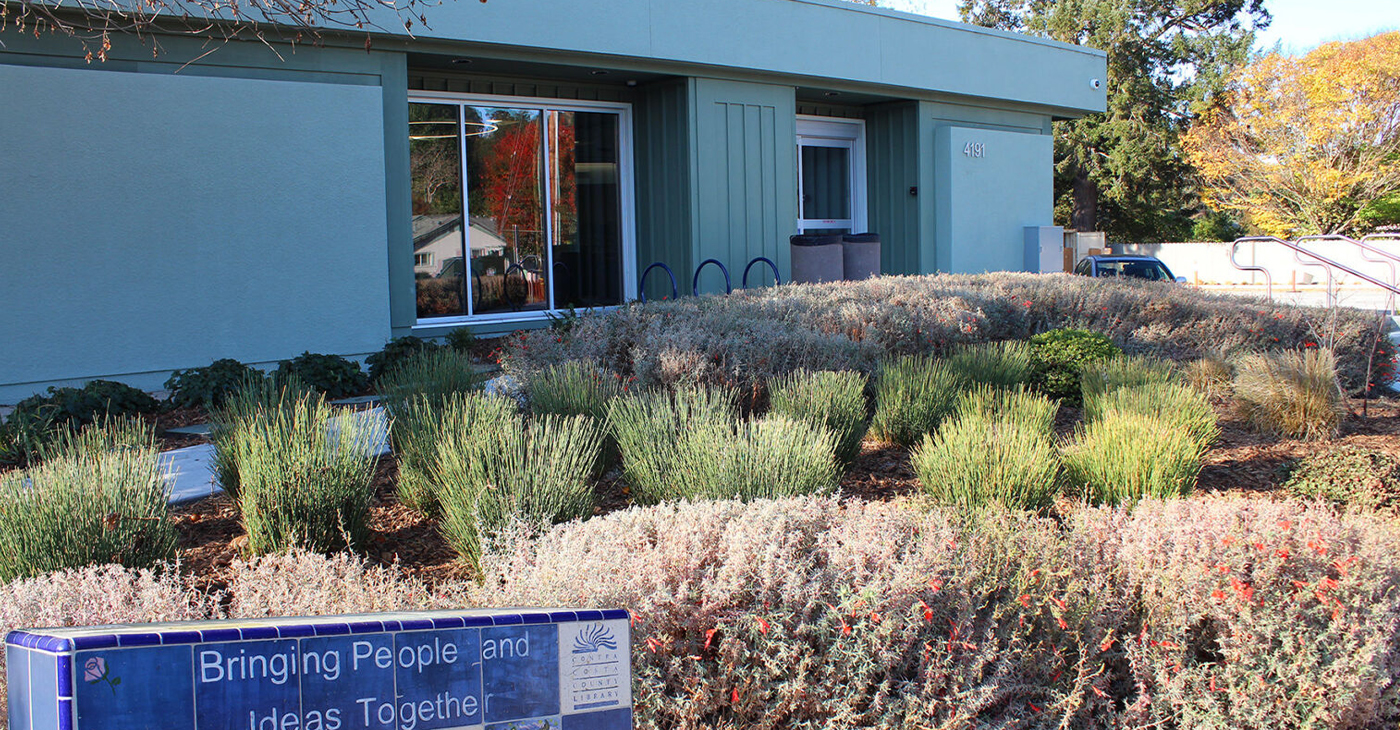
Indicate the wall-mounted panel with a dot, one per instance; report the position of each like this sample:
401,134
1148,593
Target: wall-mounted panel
991,185
158,221
745,162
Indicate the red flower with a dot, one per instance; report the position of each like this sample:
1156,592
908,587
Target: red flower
762,625
709,636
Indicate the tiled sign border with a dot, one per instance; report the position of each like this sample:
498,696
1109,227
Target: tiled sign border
62,648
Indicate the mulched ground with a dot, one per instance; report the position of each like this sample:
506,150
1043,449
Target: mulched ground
1241,462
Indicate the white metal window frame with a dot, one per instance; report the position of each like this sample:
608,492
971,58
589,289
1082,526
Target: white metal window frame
815,131
626,196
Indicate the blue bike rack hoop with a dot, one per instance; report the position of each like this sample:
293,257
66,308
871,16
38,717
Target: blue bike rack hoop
695,282
777,278
642,283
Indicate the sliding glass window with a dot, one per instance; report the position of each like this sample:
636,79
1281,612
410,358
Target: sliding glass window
544,198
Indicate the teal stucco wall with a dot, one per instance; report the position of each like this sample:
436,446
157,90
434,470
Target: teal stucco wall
156,221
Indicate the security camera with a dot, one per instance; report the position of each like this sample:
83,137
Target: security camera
1095,83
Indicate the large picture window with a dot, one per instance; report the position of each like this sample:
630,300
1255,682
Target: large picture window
519,206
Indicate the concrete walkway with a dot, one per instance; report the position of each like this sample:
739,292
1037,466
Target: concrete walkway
190,471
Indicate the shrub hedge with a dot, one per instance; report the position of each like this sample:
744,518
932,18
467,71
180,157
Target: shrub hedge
209,386
748,336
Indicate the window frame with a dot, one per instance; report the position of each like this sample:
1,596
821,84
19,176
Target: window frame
626,197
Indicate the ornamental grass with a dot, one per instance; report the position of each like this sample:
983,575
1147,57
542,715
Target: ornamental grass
1002,364
1123,457
304,481
534,473
831,400
997,448
98,497
426,426
1292,394
912,396
1123,371
1173,406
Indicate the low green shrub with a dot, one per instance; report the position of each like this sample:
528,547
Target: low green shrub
1173,406
648,426
997,448
1211,375
1292,394
912,396
395,353
1058,356
98,499
1350,476
432,374
828,399
1003,364
1123,371
304,481
77,407
535,473
760,459
463,423
1123,457
209,386
333,375
461,339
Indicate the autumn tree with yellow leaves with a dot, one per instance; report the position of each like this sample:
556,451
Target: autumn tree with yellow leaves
1303,145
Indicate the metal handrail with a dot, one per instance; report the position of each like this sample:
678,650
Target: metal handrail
1388,259
1268,278
1392,288
1298,252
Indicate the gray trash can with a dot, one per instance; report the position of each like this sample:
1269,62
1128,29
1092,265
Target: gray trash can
816,259
860,255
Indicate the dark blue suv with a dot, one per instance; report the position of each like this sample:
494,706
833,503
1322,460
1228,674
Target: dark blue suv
1135,267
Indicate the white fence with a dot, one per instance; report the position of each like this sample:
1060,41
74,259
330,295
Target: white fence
1209,262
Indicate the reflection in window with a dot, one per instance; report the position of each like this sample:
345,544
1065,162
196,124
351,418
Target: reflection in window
543,200
435,163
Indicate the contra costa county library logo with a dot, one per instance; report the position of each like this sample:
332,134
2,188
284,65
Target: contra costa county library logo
95,670
595,638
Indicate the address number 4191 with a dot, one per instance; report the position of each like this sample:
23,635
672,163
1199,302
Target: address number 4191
975,149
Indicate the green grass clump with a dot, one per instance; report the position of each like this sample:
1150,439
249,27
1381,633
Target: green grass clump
912,396
1123,457
834,400
462,423
1123,371
239,408
997,448
534,473
435,374
761,459
303,481
1058,356
1173,406
1002,364
648,426
573,388
1025,407
577,388
1350,476
99,498
1290,393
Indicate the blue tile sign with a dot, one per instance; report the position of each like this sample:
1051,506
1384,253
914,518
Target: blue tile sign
494,670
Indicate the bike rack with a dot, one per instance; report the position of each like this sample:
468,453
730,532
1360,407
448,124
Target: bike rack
642,282
695,282
505,286
777,277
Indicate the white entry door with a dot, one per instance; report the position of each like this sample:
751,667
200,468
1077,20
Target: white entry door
830,175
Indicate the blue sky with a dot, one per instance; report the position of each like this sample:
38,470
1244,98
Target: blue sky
1298,24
